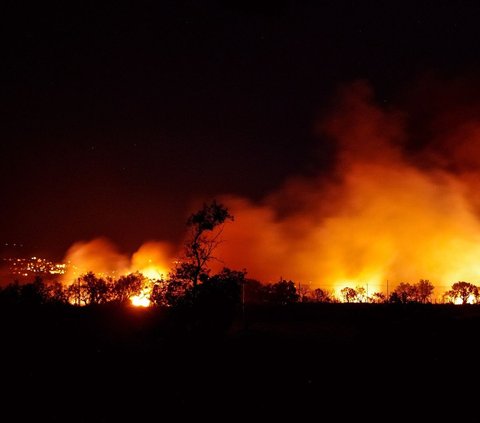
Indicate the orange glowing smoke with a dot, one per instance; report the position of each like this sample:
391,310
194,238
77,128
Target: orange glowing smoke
383,215
394,208
98,255
153,260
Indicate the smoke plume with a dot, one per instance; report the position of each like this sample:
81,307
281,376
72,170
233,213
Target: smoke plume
395,209
401,203
153,259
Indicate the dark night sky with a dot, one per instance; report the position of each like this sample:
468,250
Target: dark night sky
114,119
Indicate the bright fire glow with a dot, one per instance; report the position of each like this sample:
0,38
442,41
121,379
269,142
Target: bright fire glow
470,300
386,215
153,272
395,209
141,300
152,260
102,257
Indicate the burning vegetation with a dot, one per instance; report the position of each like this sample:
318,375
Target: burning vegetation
400,205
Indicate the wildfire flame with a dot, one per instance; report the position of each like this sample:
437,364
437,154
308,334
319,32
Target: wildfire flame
103,258
470,300
387,213
392,210
141,300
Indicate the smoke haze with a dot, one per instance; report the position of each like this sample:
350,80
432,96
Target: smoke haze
400,204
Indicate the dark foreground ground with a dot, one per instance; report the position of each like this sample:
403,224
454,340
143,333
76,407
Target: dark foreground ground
322,362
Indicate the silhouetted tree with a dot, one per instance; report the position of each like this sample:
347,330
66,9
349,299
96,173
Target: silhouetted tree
89,289
349,295
303,291
75,294
255,292
34,292
464,291
225,285
57,293
362,296
157,295
322,296
171,292
11,294
420,292
283,292
423,291
176,292
126,287
218,298
404,293
378,298
205,227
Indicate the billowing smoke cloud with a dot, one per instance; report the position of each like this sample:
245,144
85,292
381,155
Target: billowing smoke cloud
153,259
401,204
393,210
101,256
98,255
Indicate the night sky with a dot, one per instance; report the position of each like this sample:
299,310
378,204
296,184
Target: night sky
116,120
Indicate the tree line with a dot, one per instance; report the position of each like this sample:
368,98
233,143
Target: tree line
228,286
191,282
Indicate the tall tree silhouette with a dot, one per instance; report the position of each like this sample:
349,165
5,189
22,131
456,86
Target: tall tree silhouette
424,290
205,227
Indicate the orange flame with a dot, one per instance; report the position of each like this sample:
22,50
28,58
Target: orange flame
142,299
382,217
385,216
103,258
152,260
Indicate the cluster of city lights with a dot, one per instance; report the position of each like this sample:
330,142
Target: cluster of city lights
35,266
